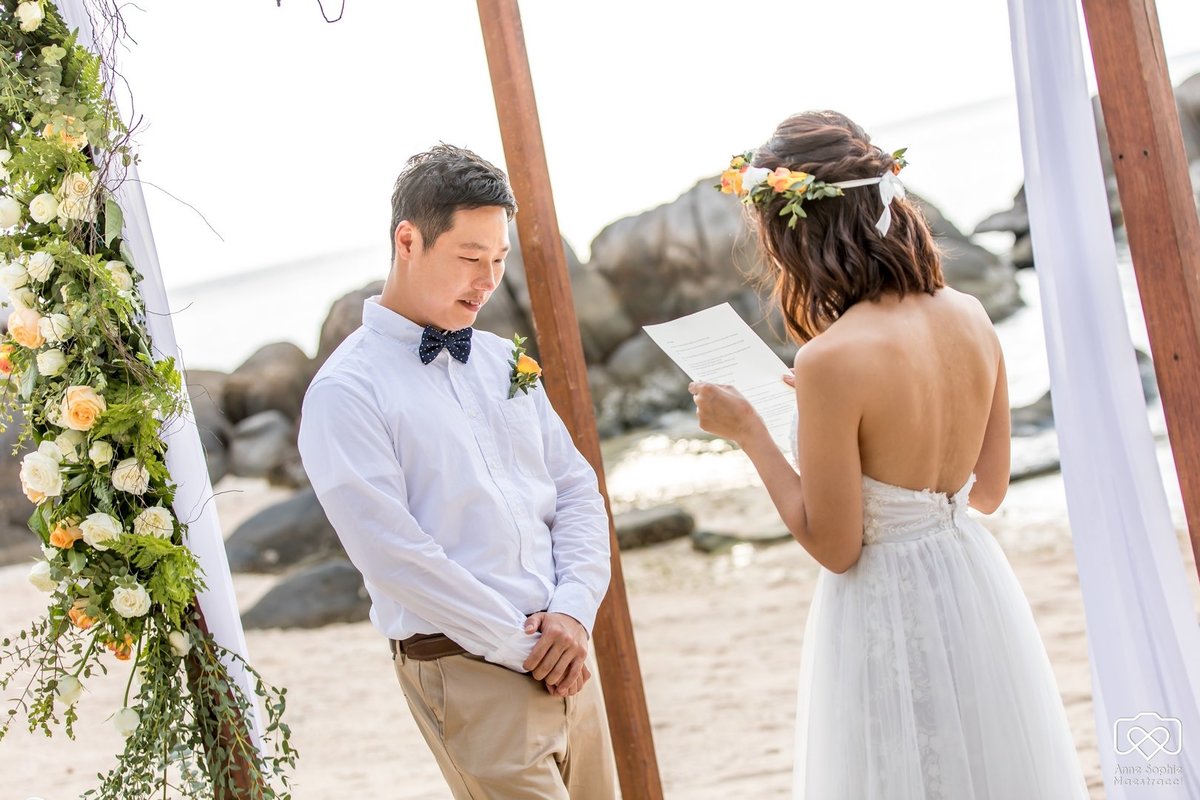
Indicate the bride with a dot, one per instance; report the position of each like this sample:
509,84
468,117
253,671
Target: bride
923,675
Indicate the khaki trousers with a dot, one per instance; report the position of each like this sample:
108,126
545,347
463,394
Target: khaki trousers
499,735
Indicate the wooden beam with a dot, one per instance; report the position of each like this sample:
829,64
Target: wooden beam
561,350
1160,216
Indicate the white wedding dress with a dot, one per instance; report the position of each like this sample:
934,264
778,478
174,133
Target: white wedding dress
923,675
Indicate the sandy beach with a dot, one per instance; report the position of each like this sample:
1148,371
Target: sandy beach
719,640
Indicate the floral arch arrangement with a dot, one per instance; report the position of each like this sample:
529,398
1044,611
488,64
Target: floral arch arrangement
93,401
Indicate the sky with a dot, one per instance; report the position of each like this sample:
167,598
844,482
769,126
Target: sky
285,133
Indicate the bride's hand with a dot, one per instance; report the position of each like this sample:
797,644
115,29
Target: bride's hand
723,411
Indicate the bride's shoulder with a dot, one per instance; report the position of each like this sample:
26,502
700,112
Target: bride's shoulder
839,353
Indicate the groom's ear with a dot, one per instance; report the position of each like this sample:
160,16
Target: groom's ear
406,238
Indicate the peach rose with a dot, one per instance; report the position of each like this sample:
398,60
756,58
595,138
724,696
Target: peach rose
731,181
81,407
73,141
79,617
122,650
783,179
23,326
6,366
528,366
65,536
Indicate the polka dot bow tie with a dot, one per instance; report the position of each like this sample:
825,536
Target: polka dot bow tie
457,344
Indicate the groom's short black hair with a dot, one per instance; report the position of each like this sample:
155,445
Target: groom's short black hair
435,184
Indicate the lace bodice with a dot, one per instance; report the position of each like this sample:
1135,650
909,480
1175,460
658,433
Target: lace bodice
896,514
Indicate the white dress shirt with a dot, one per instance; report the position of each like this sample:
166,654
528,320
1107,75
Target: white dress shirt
464,510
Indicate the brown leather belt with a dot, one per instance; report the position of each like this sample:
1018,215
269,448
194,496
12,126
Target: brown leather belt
426,647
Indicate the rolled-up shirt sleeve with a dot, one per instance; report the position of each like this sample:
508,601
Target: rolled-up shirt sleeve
579,533
349,457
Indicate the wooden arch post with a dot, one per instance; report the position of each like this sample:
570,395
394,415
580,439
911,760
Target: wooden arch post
560,345
1151,166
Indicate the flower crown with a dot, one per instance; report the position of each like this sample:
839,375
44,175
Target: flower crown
761,185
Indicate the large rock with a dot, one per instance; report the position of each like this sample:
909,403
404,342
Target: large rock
205,389
1016,219
647,383
261,444
319,595
344,317
281,536
651,526
971,268
275,377
678,258
603,323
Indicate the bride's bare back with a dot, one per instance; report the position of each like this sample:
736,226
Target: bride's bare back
931,412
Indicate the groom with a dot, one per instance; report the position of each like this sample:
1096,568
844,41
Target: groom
477,525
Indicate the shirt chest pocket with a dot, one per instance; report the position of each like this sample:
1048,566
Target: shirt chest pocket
523,435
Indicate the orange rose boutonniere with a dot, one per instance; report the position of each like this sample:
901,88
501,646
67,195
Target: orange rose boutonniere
525,370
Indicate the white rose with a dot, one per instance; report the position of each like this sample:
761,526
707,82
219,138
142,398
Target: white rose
154,521
39,473
50,450
100,452
69,442
69,690
99,528
30,15
55,328
13,276
77,208
22,298
753,176
180,643
10,212
77,186
130,476
39,265
43,208
126,721
120,275
51,363
39,576
130,603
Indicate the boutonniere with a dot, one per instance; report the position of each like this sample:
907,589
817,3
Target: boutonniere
525,370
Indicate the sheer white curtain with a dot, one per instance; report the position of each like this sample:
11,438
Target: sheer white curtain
1142,632
185,455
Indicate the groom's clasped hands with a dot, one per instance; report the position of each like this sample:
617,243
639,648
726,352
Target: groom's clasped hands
559,658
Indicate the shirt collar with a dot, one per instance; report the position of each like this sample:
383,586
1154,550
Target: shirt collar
382,319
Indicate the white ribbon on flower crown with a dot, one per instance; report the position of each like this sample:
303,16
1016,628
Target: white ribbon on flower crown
890,188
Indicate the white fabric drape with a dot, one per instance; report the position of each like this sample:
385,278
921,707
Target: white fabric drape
1142,632
185,455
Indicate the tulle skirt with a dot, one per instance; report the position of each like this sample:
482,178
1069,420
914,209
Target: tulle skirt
923,677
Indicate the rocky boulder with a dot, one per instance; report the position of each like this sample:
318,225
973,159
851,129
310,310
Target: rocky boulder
261,444
971,268
205,389
1015,220
274,378
678,258
645,383
651,526
282,536
344,317
319,595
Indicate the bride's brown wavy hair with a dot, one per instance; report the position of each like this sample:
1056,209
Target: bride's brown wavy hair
835,257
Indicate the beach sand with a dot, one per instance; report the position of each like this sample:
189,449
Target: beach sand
719,640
